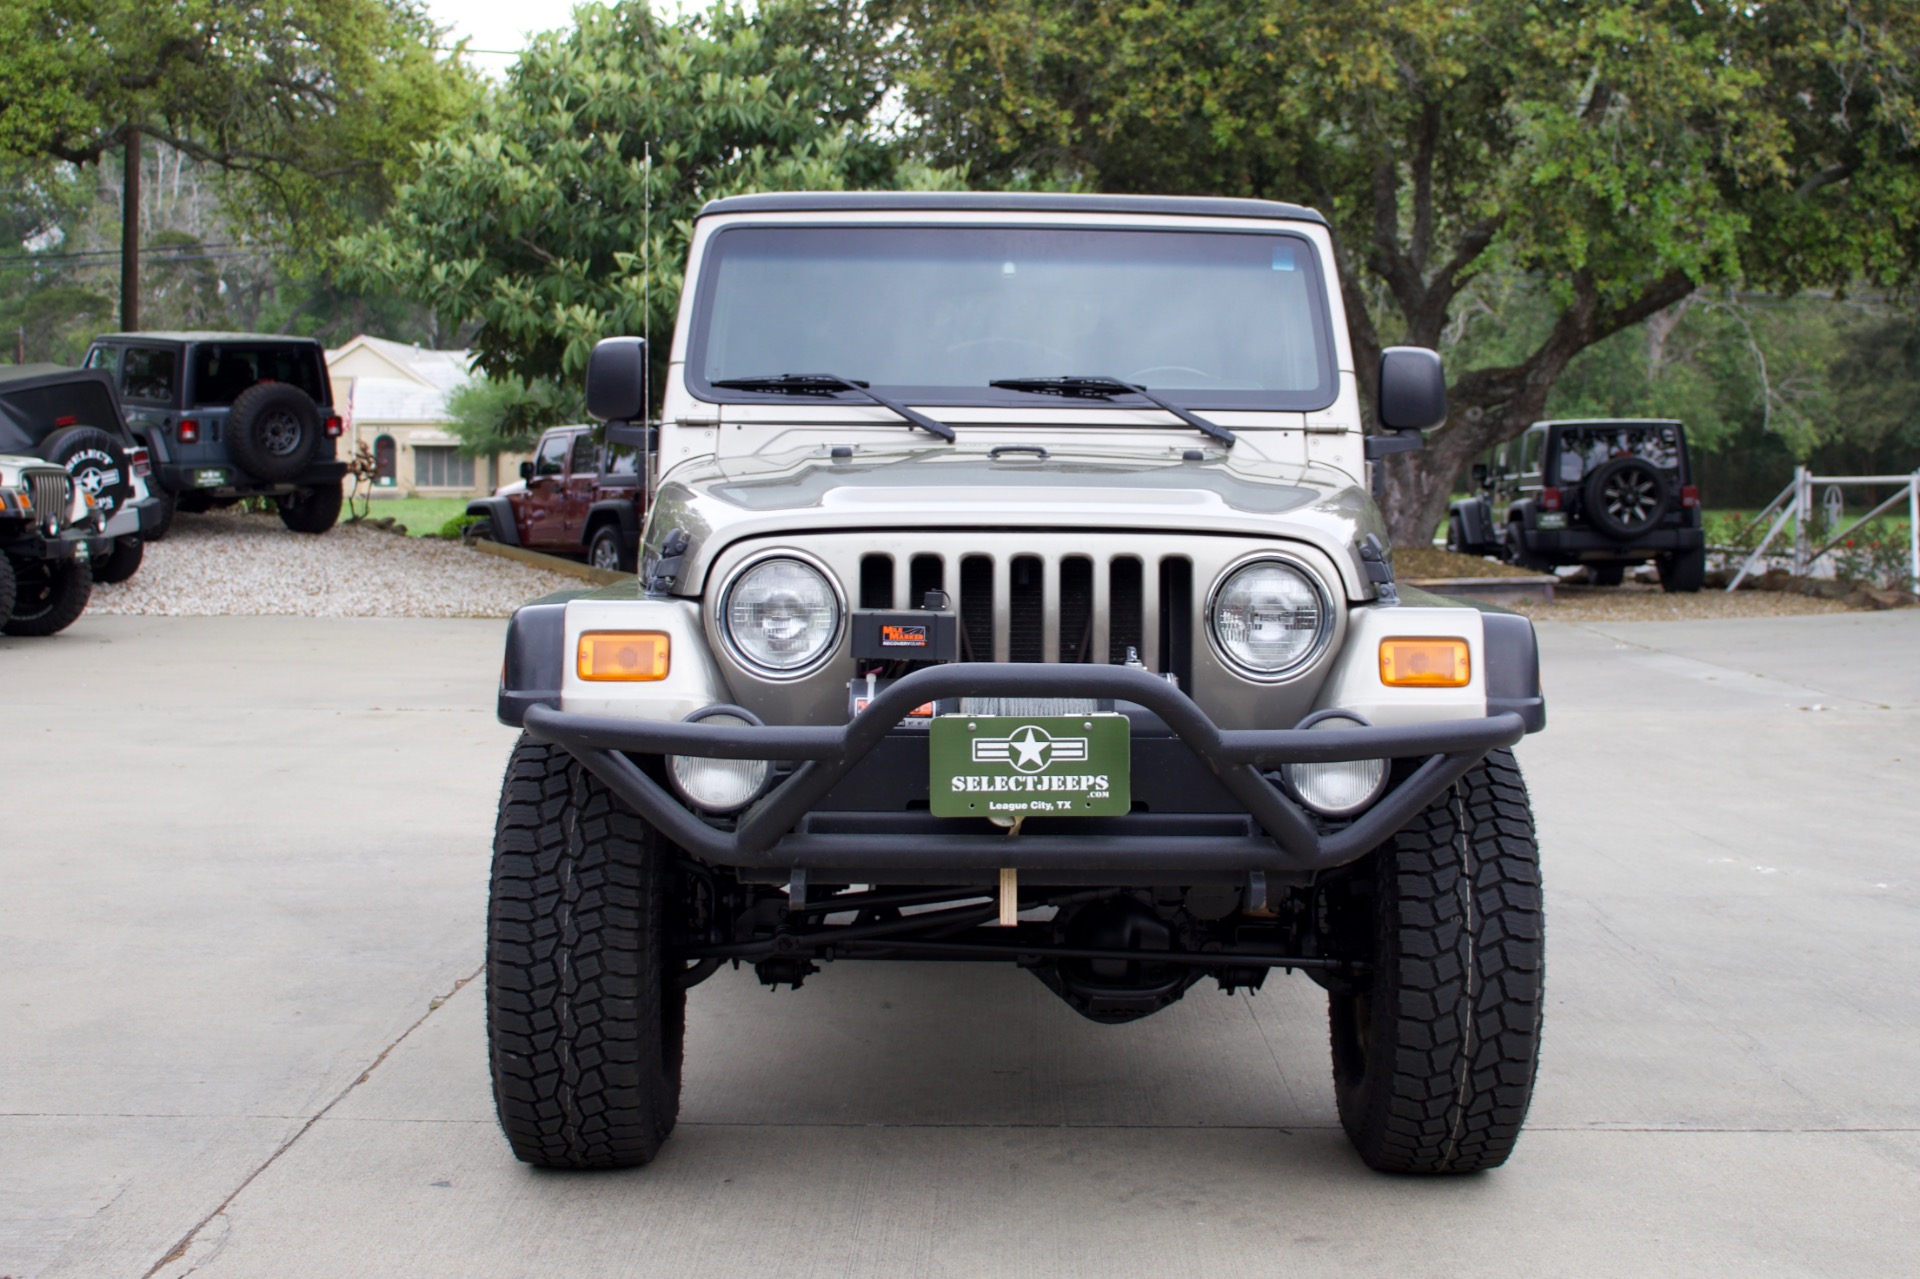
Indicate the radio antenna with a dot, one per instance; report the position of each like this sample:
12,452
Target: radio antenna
646,234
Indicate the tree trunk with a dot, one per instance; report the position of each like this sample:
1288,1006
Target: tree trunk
130,239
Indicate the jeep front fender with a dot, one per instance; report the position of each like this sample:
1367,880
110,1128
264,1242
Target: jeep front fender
540,670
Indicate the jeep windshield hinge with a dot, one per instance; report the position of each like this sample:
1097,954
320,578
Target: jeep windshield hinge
665,569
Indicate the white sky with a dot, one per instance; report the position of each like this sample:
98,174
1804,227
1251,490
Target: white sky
506,24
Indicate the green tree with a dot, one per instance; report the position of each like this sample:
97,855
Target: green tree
310,106
507,414
1618,154
558,213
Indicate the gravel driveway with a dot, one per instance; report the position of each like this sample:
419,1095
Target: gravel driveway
226,563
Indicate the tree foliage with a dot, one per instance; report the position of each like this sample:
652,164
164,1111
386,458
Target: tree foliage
1619,153
507,414
311,105
541,216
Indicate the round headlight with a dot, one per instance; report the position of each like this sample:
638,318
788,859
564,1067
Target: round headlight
1340,788
717,785
1268,617
781,615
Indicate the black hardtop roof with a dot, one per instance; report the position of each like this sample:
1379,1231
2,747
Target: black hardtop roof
1005,202
13,376
184,336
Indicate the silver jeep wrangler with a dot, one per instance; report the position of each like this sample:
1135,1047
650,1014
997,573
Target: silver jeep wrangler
1011,592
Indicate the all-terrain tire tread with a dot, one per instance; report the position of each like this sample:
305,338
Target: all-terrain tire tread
1454,1056
73,587
585,1035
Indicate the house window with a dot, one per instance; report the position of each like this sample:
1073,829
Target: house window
441,468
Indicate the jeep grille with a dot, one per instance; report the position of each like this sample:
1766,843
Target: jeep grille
52,493
1075,606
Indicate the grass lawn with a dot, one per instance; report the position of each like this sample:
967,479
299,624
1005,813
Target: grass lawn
423,516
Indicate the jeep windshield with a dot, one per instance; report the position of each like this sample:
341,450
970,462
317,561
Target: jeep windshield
936,314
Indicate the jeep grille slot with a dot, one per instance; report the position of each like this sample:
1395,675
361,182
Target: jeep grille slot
924,574
1126,613
1026,611
1076,609
976,609
1176,619
876,581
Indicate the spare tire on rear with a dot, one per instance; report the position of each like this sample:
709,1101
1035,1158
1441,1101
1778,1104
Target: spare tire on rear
273,431
1625,498
96,461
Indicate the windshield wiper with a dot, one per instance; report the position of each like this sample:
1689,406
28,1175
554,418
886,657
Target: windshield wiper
1105,388
829,384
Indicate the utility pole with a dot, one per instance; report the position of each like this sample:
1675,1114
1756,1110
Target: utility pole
130,239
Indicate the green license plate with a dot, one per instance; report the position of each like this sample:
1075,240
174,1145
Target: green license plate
211,479
1030,766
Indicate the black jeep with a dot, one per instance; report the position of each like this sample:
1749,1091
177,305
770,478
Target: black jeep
231,415
1603,493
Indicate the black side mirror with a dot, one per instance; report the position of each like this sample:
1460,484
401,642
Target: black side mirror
1413,389
617,380
526,470
1481,476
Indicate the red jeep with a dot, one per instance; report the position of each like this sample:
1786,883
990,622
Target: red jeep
575,498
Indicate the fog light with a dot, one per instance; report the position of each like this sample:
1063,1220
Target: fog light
1343,787
718,785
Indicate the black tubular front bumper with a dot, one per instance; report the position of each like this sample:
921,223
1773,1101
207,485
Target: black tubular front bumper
783,831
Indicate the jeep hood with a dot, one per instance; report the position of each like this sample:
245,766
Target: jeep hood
717,502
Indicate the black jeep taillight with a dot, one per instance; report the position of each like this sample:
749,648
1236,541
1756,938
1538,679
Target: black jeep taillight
188,431
137,459
334,426
1549,499
1689,495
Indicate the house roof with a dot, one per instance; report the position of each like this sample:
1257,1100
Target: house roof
398,382
443,370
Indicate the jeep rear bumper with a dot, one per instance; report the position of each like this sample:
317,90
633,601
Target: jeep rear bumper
798,825
1580,541
177,477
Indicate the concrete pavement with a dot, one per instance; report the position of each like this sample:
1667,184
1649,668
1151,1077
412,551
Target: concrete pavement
235,1028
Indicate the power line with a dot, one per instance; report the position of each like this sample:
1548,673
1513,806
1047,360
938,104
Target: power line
102,257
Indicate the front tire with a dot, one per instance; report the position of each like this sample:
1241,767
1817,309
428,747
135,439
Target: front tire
584,1023
1434,1052
49,595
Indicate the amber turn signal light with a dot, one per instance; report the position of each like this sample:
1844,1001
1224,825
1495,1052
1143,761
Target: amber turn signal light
622,655
1424,663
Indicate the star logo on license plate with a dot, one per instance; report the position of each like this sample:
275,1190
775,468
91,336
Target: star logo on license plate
1030,749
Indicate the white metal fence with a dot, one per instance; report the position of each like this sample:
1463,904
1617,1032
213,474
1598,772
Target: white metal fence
1795,505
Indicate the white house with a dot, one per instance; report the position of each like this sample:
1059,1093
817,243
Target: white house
393,398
